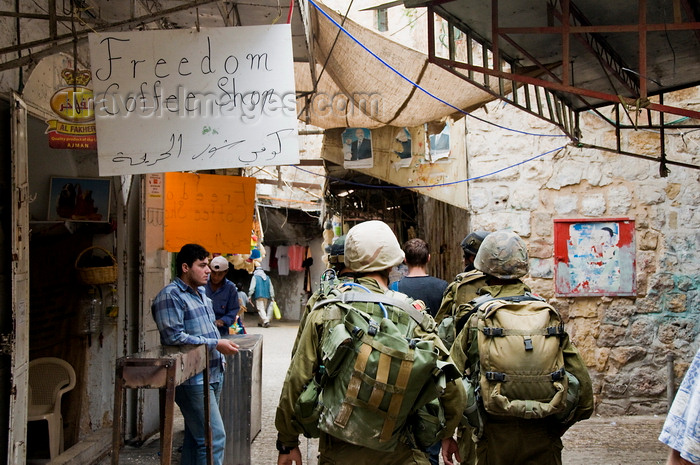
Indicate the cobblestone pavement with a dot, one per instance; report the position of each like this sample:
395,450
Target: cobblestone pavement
599,441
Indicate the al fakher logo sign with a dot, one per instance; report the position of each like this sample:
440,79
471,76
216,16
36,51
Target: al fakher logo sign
74,105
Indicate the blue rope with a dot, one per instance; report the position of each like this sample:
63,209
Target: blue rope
433,185
421,88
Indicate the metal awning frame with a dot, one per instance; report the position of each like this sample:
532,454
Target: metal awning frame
87,22
551,96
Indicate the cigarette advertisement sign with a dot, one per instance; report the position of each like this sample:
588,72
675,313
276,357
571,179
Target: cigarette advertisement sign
72,104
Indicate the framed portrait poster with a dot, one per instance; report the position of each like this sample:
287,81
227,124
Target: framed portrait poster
79,199
595,257
357,148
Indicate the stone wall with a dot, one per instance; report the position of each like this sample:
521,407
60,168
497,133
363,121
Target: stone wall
624,340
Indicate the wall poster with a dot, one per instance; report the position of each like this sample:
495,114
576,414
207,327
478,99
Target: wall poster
595,257
212,210
357,148
79,199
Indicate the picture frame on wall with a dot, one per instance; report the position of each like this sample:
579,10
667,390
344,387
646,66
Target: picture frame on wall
357,148
595,257
79,199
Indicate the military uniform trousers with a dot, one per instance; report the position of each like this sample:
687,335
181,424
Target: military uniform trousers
333,451
519,442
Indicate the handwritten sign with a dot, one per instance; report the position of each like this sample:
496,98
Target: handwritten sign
182,100
214,211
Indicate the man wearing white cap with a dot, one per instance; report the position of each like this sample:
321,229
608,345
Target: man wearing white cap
223,294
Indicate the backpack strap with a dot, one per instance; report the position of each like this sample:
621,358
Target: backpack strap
422,318
468,276
482,299
547,332
501,332
503,377
379,384
462,278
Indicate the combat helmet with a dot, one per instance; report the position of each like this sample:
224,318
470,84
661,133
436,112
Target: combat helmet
502,254
372,246
472,242
336,251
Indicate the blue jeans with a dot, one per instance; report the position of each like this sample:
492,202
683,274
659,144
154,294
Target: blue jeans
434,453
190,399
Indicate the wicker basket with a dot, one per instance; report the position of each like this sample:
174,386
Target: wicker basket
97,274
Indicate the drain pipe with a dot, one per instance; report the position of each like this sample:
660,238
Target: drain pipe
671,379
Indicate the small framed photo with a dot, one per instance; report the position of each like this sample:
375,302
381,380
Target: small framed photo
79,199
595,257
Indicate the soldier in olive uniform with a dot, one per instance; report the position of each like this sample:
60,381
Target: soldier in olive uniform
458,294
337,272
510,440
371,250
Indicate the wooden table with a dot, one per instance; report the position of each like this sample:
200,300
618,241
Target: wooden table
162,368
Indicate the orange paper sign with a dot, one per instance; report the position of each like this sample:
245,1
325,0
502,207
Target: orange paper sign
213,211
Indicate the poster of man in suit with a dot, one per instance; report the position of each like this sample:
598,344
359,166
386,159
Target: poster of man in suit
357,148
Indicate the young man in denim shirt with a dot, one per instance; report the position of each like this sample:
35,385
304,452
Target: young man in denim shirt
184,315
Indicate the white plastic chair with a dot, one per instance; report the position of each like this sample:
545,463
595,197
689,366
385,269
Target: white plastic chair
49,379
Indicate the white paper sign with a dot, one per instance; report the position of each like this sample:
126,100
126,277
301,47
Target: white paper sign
182,100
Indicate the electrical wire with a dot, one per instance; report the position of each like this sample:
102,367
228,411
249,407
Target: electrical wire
410,23
291,10
414,84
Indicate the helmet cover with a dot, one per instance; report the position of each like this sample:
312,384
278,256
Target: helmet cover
372,246
502,254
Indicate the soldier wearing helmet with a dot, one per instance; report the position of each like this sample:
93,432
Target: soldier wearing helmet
503,255
462,290
470,246
466,284
336,255
371,250
335,274
503,258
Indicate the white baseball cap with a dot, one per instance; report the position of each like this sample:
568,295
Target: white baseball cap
218,264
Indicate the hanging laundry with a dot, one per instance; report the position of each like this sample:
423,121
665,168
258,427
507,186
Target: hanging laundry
296,257
307,263
282,255
265,261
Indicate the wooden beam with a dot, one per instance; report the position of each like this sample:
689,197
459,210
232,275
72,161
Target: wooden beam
304,185
569,89
66,39
607,28
642,48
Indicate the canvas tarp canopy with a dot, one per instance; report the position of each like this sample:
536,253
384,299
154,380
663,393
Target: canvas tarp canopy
358,90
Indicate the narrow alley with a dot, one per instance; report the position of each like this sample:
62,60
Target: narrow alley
624,440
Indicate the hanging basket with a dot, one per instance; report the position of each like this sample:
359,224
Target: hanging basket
105,274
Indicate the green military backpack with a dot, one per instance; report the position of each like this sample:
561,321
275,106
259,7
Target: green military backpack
519,369
457,315
381,370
